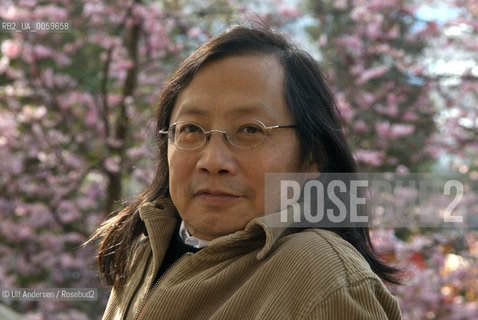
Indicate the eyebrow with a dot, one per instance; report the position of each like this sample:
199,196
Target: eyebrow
255,108
187,110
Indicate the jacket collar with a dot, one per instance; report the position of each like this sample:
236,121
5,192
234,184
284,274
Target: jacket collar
160,217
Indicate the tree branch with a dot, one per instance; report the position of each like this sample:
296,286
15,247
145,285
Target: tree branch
114,188
104,91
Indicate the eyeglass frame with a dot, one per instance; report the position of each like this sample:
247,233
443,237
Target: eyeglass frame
207,134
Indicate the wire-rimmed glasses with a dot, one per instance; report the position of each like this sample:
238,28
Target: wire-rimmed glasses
243,134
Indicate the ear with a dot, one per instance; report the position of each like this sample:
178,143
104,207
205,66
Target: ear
311,166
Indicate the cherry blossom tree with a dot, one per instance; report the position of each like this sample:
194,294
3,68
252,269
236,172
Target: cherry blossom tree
457,78
74,112
371,48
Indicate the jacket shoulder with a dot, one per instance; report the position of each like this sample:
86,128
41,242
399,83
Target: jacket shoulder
325,258
325,273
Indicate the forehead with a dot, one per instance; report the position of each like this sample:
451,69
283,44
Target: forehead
232,87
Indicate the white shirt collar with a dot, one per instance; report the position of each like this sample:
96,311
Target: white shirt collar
189,239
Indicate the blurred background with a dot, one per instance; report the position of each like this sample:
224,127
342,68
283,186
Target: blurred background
76,139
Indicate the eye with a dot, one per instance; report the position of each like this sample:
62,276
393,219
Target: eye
189,128
250,129
189,135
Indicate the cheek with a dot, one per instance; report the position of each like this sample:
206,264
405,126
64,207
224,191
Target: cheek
284,158
178,160
282,152
291,156
179,170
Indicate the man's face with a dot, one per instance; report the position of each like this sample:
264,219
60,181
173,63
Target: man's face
218,188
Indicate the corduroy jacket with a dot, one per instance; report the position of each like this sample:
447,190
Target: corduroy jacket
255,273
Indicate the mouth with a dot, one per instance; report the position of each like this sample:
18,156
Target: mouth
219,196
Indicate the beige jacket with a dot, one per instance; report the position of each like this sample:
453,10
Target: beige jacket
255,273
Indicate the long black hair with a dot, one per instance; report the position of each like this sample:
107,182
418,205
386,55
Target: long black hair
319,127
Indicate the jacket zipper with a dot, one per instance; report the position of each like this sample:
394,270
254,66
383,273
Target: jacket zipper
150,292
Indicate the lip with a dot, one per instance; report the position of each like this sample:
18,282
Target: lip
216,196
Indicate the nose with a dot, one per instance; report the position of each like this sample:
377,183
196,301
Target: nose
216,156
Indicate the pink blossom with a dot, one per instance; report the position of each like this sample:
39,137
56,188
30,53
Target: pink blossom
140,10
360,13
382,128
114,99
433,149
72,315
393,33
352,43
345,108
376,5
288,11
394,131
340,4
373,158
115,143
32,113
112,164
356,70
360,126
390,109
402,169
384,240
369,98
62,60
374,29
139,152
11,48
4,64
194,32
176,47
322,40
400,130
372,73
91,117
410,116
12,12
51,12
28,3
41,51
5,279
67,261
92,7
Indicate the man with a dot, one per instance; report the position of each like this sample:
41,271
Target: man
195,244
